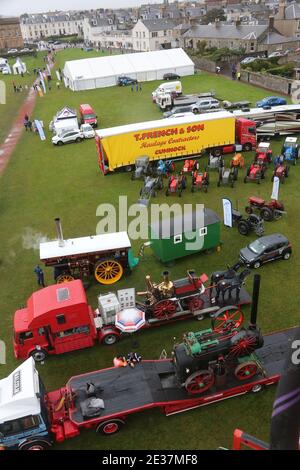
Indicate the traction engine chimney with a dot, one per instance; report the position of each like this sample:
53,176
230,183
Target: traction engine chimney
59,232
255,296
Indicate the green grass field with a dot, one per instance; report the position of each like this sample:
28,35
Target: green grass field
43,182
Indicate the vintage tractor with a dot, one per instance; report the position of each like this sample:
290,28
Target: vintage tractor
143,168
255,172
190,166
215,162
271,210
209,358
200,181
237,161
227,176
263,153
281,170
165,167
176,184
247,225
290,150
150,188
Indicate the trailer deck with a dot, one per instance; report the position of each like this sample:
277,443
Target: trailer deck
154,384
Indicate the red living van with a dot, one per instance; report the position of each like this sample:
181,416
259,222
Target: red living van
87,115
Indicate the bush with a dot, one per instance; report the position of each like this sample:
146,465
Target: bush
286,70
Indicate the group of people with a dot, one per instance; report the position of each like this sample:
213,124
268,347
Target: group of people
138,87
27,123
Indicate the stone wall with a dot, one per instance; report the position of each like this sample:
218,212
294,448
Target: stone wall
270,82
204,64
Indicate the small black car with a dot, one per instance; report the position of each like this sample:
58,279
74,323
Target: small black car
124,81
265,249
171,76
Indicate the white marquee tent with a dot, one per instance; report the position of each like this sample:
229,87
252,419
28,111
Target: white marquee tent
99,72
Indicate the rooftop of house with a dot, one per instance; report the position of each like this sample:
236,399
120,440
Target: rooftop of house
161,24
226,31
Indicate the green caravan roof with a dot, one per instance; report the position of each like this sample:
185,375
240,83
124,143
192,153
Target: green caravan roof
178,224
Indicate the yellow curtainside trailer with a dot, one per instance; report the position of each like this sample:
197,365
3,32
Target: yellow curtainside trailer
119,147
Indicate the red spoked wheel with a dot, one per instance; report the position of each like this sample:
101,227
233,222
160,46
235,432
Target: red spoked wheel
164,309
199,382
245,370
195,303
227,319
242,346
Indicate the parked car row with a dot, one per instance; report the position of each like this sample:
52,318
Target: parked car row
202,105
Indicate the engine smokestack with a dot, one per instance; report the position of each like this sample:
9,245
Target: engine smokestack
254,305
59,232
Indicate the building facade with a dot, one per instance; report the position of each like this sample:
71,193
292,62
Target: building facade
152,35
36,27
10,33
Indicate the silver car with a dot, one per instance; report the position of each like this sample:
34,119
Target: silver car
68,137
205,104
178,110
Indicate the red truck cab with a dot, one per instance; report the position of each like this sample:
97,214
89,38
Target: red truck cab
87,115
57,319
245,133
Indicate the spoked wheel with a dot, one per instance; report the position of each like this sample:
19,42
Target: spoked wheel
195,304
246,370
199,382
164,309
108,271
64,278
242,346
227,319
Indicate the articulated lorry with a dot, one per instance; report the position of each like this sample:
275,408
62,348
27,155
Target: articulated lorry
175,138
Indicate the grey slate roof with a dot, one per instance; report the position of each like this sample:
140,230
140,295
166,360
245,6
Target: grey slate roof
159,24
166,228
292,11
276,38
226,31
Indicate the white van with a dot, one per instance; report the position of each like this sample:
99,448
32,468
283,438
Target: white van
167,87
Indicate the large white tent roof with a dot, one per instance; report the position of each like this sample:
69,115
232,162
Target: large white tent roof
104,71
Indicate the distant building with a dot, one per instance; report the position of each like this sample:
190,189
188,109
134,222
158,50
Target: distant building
287,20
36,27
10,33
152,35
252,38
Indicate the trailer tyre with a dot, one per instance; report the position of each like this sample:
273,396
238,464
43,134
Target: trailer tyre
35,445
39,355
109,339
108,428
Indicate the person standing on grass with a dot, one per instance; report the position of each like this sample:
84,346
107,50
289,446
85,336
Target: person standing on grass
15,86
58,85
131,87
39,275
29,125
137,87
238,76
140,87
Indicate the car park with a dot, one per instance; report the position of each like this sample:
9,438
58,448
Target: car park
72,135
271,101
87,131
171,76
205,104
265,249
124,81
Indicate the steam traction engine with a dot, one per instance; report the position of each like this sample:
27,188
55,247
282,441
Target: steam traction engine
106,257
209,357
164,299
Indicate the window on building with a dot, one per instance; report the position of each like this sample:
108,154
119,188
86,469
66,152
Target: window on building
298,27
154,34
177,239
144,45
144,34
137,34
252,46
165,33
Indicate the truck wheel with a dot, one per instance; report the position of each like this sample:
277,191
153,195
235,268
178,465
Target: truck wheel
35,445
39,355
109,339
247,147
243,227
266,213
110,427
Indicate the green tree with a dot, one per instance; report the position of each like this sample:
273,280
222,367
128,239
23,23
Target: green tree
213,15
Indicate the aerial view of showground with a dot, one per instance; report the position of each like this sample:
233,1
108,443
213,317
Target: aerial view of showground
149,165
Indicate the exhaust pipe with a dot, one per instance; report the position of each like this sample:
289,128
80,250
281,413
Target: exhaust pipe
59,232
254,306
